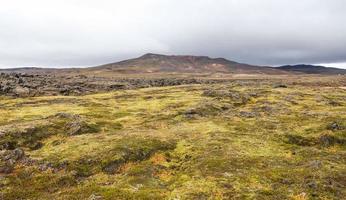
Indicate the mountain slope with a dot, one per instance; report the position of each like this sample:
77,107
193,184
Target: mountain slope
156,63
312,69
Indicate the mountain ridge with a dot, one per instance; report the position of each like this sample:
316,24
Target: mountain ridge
312,69
175,64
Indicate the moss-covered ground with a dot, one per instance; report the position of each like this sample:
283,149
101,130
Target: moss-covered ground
225,141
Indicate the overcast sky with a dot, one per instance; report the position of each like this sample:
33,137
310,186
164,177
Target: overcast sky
62,33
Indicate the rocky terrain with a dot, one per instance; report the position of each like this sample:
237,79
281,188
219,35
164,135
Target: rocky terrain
17,84
29,85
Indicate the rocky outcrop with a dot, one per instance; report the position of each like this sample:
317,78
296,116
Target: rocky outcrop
8,159
26,85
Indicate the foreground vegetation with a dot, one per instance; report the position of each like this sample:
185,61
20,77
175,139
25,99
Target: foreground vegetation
237,140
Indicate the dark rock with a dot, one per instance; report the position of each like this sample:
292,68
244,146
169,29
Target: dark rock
9,145
335,126
280,85
118,86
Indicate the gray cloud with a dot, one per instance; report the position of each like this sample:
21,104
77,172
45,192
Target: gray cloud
88,32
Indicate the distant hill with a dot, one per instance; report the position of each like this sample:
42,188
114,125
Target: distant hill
312,69
33,70
156,63
179,64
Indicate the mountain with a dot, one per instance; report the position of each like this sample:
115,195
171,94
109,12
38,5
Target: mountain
175,64
312,69
156,63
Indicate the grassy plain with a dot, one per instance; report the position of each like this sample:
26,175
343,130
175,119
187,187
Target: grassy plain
238,140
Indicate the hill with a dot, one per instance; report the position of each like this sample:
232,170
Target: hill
179,64
156,63
312,69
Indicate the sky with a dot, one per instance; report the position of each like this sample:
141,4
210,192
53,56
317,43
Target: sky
70,33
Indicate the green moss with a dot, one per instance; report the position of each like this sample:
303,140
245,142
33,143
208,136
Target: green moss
140,144
30,134
132,150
